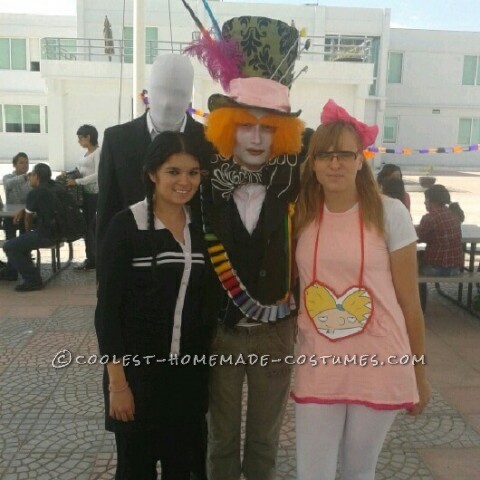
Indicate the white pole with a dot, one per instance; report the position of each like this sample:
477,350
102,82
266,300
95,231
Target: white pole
138,55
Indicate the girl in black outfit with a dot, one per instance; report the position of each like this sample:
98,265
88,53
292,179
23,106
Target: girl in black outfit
148,320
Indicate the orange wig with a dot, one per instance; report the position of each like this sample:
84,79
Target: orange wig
222,122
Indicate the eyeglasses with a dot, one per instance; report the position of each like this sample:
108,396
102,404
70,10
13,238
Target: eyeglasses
343,156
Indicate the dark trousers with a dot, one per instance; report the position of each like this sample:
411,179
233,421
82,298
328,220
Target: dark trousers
89,209
11,232
18,251
138,453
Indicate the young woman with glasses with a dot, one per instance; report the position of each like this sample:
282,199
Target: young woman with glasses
360,313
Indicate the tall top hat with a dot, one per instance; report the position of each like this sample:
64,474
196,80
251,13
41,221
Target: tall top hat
253,58
269,47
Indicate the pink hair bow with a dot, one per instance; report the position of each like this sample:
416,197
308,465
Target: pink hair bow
335,113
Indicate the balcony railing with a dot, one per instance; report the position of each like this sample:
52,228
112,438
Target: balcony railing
101,50
331,48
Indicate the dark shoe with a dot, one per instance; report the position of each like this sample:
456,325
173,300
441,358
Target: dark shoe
29,287
8,276
86,265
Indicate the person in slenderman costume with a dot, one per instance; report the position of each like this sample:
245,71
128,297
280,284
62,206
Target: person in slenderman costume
124,146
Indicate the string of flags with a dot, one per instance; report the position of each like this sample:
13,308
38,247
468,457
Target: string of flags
370,152
197,112
410,151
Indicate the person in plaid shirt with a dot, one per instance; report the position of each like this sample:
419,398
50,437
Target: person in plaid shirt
441,230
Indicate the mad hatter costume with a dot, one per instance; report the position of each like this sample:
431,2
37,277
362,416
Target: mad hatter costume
247,201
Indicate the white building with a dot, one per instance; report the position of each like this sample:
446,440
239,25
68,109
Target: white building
402,77
433,95
23,96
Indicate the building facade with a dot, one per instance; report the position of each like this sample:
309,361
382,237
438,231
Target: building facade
421,87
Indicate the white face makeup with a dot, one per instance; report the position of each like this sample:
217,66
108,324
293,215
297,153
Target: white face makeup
253,142
170,91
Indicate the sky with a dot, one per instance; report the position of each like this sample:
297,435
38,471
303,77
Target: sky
461,15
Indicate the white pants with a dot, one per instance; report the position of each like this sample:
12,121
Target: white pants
352,433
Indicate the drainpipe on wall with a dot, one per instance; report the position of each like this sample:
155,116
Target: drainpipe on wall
138,56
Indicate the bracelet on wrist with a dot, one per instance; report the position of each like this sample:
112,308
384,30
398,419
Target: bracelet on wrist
117,390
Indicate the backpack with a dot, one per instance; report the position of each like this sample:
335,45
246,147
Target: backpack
69,223
77,190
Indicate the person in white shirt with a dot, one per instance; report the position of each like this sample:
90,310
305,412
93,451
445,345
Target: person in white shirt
16,187
88,167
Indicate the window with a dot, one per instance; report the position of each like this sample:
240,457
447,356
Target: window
60,49
31,119
471,70
13,118
13,54
151,47
341,48
390,130
469,131
21,118
128,44
395,66
151,44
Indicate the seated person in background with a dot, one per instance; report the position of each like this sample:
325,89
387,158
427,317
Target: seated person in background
41,201
441,230
394,187
16,187
389,170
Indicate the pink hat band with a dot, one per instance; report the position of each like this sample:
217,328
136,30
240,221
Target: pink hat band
255,92
260,92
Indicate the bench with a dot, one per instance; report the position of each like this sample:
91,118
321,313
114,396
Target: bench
465,277
55,256
56,261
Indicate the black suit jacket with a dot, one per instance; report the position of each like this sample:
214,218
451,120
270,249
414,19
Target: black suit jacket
267,280
120,172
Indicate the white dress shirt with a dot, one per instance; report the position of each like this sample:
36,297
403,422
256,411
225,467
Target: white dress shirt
249,200
154,132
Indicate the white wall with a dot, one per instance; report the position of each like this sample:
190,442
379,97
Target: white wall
432,80
25,87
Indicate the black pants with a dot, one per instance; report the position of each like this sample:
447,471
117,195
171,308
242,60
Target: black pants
11,232
174,447
89,209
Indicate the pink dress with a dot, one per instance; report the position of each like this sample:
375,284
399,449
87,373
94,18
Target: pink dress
363,380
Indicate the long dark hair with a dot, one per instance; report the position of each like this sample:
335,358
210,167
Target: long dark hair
440,195
386,172
395,188
159,151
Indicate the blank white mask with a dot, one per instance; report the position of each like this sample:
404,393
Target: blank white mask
170,91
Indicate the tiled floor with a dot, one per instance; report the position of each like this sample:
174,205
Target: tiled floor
51,419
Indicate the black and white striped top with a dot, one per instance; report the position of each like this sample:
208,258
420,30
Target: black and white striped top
139,315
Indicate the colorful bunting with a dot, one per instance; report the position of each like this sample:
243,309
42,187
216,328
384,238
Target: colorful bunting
371,151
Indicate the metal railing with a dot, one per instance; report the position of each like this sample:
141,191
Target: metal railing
331,48
103,50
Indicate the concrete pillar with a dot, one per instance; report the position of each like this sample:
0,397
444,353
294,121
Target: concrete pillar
56,124
138,56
